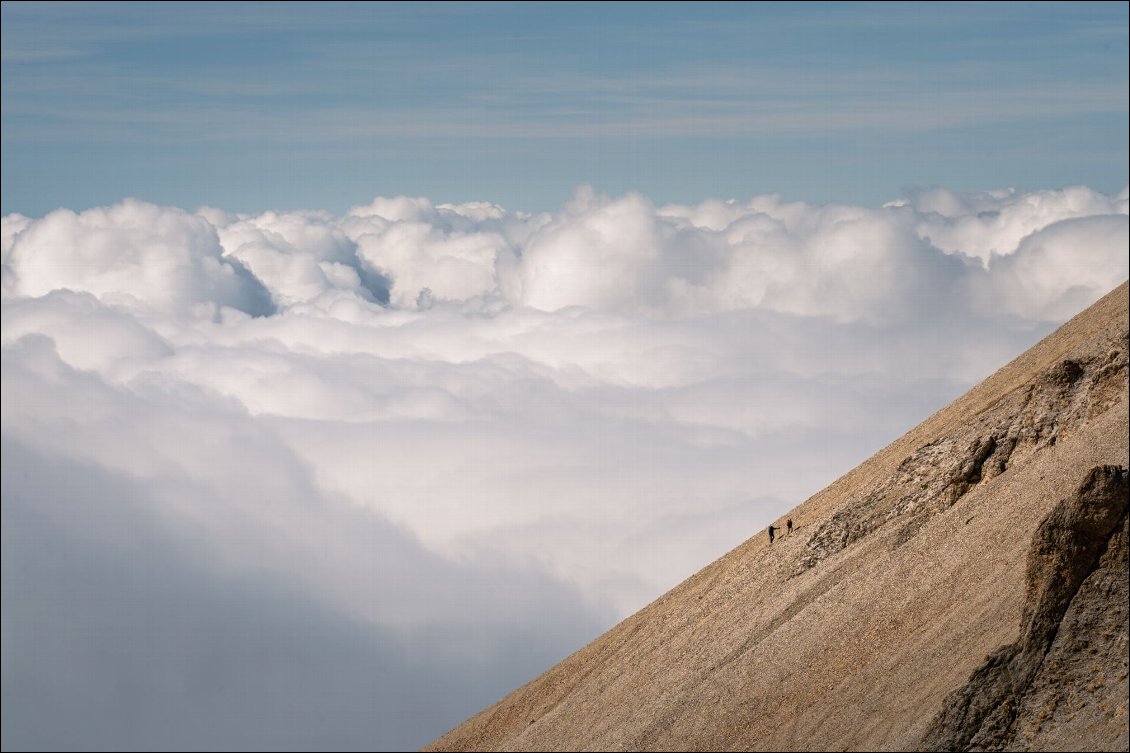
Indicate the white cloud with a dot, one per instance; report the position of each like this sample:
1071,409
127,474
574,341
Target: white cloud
613,255
583,408
132,254
172,572
1059,269
988,224
298,256
455,266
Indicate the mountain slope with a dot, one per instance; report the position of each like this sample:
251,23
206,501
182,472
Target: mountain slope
918,604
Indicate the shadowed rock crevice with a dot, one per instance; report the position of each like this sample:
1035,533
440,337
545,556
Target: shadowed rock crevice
1077,559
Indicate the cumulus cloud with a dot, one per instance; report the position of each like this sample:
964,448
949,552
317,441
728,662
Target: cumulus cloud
296,471
298,256
622,255
994,223
132,254
1058,269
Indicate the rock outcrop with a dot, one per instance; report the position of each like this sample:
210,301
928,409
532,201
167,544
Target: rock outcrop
1068,668
1066,395
964,588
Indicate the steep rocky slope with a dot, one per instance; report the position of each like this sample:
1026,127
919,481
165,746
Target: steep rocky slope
963,588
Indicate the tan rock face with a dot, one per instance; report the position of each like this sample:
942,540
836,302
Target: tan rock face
877,623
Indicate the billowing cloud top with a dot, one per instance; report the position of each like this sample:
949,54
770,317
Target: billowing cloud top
353,477
620,256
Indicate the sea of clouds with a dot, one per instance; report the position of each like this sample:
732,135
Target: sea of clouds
300,479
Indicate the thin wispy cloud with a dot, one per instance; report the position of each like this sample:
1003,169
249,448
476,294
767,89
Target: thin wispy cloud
722,100
411,92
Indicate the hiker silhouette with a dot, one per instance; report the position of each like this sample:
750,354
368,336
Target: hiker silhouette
772,531
789,525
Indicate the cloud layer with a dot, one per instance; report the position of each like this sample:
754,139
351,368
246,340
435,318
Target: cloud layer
305,479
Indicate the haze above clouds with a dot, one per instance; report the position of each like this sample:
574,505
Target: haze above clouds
317,480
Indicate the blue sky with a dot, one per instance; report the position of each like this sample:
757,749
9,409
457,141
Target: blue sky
292,106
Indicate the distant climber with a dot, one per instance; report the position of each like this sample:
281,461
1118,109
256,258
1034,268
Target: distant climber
788,526
772,531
